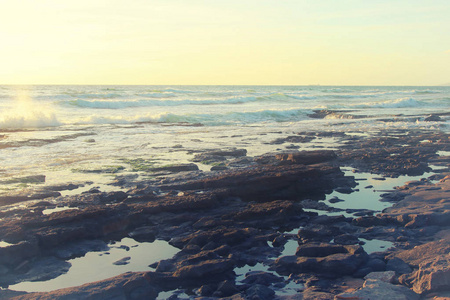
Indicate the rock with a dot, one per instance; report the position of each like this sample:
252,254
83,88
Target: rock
377,289
3,270
387,276
275,210
17,253
176,168
264,183
433,118
143,234
42,269
399,266
344,190
206,290
329,260
433,275
122,261
335,199
346,239
260,292
204,269
376,264
229,152
226,288
78,249
319,250
319,233
306,157
262,278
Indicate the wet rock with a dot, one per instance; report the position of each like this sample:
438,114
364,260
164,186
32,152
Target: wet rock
377,289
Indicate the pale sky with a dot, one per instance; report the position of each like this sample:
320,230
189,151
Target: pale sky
276,42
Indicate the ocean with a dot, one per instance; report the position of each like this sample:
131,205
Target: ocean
92,133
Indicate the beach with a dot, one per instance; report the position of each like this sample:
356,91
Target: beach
250,192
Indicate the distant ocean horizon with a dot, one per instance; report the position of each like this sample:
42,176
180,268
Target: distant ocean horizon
56,129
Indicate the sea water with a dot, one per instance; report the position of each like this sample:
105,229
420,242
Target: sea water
85,134
77,133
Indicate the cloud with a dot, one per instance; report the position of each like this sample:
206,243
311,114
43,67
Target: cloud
447,52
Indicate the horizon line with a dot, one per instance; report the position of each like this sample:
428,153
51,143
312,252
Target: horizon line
118,84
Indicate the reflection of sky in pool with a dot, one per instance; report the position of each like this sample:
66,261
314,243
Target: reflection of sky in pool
96,266
368,198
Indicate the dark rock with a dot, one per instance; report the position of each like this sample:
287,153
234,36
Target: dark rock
17,253
376,264
79,248
262,278
279,241
205,269
206,290
143,234
264,183
328,220
433,118
346,239
226,288
122,261
317,233
399,266
344,190
176,168
306,157
330,261
335,200
293,139
260,292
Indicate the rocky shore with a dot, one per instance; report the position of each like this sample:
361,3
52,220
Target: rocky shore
244,213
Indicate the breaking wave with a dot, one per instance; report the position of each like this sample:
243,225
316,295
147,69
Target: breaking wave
206,119
120,104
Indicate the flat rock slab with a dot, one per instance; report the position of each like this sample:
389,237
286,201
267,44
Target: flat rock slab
377,289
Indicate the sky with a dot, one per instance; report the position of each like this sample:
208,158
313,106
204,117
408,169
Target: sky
229,42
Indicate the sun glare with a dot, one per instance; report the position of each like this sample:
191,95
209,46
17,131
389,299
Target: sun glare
23,112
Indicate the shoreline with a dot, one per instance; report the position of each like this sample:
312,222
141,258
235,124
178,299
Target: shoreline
228,218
